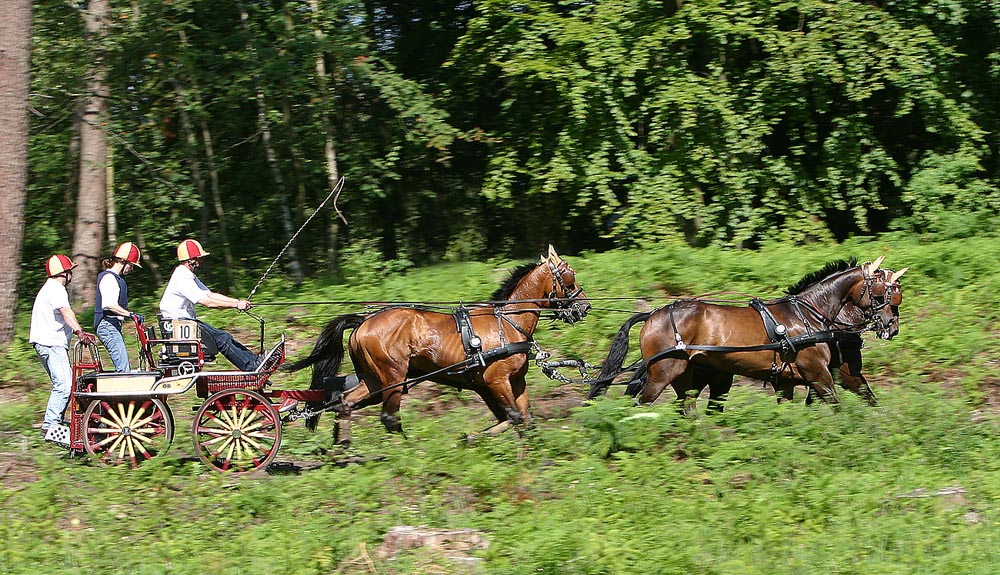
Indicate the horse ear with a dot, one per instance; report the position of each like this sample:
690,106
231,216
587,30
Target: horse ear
553,256
896,275
875,264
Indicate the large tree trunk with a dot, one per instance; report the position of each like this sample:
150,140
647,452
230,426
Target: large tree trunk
88,241
15,79
332,171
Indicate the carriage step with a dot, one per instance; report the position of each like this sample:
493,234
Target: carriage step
58,434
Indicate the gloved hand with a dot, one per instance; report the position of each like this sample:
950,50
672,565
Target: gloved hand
86,338
139,318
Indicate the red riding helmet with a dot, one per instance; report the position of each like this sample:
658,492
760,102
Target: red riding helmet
190,249
128,253
58,264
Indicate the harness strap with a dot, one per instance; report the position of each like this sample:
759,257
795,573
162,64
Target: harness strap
472,343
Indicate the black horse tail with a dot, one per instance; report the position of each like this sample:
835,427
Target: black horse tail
612,366
326,357
638,381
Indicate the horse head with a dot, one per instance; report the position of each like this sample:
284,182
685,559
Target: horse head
887,292
878,293
567,297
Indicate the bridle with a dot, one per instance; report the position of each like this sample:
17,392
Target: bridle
567,307
881,294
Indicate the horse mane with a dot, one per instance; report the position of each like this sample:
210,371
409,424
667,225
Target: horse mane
516,275
829,269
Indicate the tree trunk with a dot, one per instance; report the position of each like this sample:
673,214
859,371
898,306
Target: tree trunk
272,159
214,199
88,241
15,81
332,171
111,208
220,212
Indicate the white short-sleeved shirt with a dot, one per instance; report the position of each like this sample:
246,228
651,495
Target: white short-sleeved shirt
48,327
183,291
109,290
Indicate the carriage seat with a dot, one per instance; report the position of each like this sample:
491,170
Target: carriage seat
182,339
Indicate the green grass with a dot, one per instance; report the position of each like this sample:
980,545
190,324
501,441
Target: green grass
607,488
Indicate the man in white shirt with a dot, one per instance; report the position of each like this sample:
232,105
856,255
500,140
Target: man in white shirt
53,324
184,290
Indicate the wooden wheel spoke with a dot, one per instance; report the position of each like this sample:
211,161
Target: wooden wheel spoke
144,420
226,444
138,438
256,445
250,429
251,416
129,417
111,424
229,453
130,443
102,430
115,421
105,441
121,447
218,422
149,431
138,444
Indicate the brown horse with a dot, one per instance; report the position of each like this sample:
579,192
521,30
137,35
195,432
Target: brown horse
393,348
691,344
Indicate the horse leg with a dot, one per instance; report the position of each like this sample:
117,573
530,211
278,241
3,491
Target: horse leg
507,398
820,381
849,370
854,381
390,409
662,373
494,404
719,384
785,391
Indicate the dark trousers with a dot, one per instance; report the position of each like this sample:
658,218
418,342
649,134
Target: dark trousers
234,351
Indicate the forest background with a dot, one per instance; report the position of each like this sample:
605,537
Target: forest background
471,130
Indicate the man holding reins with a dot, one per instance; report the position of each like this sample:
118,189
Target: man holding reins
184,290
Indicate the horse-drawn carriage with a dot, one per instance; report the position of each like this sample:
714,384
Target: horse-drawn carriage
125,417
801,339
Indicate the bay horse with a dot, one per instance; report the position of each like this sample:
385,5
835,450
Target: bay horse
393,347
691,344
845,348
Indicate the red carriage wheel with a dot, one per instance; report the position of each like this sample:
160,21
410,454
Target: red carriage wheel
237,431
127,430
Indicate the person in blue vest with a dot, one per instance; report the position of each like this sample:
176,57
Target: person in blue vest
111,309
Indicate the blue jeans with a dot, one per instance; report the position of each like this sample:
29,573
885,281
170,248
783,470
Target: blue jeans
55,360
111,336
234,351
